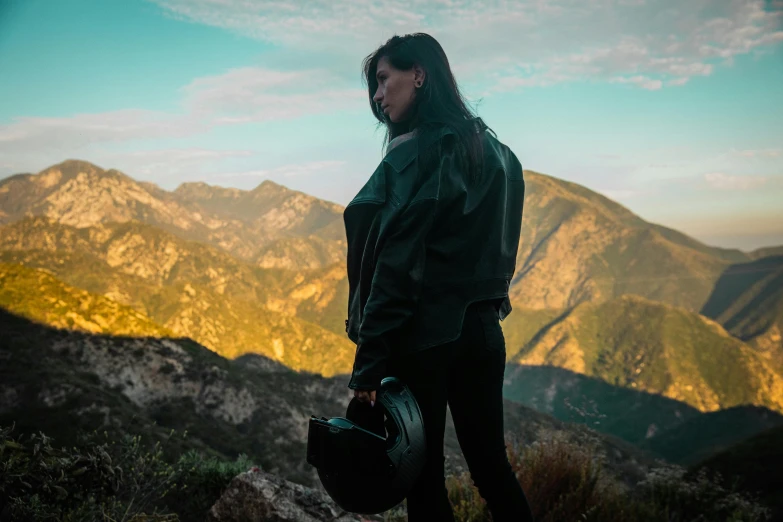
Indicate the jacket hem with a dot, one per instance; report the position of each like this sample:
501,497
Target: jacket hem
452,338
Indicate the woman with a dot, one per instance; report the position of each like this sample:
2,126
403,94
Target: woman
432,244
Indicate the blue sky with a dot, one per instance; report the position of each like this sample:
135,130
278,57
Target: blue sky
674,109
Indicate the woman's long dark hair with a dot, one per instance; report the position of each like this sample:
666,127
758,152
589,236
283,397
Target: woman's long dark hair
438,102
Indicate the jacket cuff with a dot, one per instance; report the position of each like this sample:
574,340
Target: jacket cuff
365,382
369,366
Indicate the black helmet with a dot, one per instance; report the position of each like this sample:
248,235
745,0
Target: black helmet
361,468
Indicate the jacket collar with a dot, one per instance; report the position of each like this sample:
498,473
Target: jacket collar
400,139
412,134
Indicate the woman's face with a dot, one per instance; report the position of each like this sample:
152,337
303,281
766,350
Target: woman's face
396,90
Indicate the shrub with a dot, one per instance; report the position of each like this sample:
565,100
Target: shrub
669,495
466,501
564,481
117,480
124,480
202,483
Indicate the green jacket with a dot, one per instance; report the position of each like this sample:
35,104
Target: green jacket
423,246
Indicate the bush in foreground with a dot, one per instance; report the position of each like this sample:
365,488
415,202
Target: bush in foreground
124,480
117,480
564,482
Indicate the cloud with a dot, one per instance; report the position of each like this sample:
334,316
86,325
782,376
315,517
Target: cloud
243,95
505,45
168,163
83,129
677,81
260,94
493,46
620,194
757,153
286,171
191,154
642,81
721,181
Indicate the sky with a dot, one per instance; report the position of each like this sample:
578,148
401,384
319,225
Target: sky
672,108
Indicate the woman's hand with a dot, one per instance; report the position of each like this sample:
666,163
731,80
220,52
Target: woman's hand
365,396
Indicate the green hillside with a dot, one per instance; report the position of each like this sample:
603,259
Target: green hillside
523,324
39,296
748,302
647,346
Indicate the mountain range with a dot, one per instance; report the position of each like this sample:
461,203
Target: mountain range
651,327
255,226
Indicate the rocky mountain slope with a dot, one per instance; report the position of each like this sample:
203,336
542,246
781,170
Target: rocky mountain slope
64,381
192,289
81,194
576,244
580,246
298,226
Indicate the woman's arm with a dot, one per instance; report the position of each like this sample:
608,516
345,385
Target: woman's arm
394,292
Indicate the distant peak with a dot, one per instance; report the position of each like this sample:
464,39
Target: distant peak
187,185
73,167
189,188
77,163
270,186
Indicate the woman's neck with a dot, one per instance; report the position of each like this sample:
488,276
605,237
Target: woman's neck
400,139
413,123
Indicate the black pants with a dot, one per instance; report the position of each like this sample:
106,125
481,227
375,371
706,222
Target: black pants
468,374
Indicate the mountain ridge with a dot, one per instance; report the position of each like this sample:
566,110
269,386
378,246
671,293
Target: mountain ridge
578,248
82,194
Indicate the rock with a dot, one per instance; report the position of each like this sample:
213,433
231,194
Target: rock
260,496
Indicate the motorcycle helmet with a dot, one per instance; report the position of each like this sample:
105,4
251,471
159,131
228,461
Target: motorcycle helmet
370,459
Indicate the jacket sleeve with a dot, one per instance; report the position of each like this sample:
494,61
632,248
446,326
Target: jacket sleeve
394,292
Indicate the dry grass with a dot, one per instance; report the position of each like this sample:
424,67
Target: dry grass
565,481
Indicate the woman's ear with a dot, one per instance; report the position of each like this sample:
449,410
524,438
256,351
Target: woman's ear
418,75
